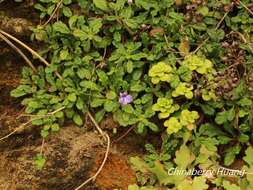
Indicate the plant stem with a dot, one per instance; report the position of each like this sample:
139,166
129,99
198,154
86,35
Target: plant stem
18,51
29,49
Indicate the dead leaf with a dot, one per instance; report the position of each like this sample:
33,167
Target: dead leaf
178,2
156,31
184,47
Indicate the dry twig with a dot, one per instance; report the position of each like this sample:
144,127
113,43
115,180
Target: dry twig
30,121
29,49
244,6
206,40
55,10
18,51
107,138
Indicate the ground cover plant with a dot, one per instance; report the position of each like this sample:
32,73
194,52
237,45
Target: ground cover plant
179,69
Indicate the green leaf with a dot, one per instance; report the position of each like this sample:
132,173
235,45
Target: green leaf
216,35
90,85
66,11
21,91
207,109
133,187
64,54
80,34
152,126
80,103
249,156
103,78
96,102
111,95
221,117
77,119
55,127
83,73
203,10
199,183
34,104
230,114
101,4
100,115
61,27
72,97
44,133
184,157
96,25
228,186
161,173
128,109
40,161
109,105
129,66
231,154
245,102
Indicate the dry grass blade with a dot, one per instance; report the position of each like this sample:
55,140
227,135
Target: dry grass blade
30,121
244,6
19,52
52,15
29,49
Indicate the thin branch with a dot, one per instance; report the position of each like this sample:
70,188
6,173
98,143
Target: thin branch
244,6
45,115
125,134
18,51
42,146
96,125
206,40
106,136
244,40
30,121
29,49
200,45
17,129
55,10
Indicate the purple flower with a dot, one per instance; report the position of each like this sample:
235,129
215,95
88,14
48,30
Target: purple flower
124,98
130,1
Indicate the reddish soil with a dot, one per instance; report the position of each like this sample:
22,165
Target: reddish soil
116,173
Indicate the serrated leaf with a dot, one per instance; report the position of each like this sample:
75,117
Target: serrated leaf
161,173
184,157
199,183
229,186
249,156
